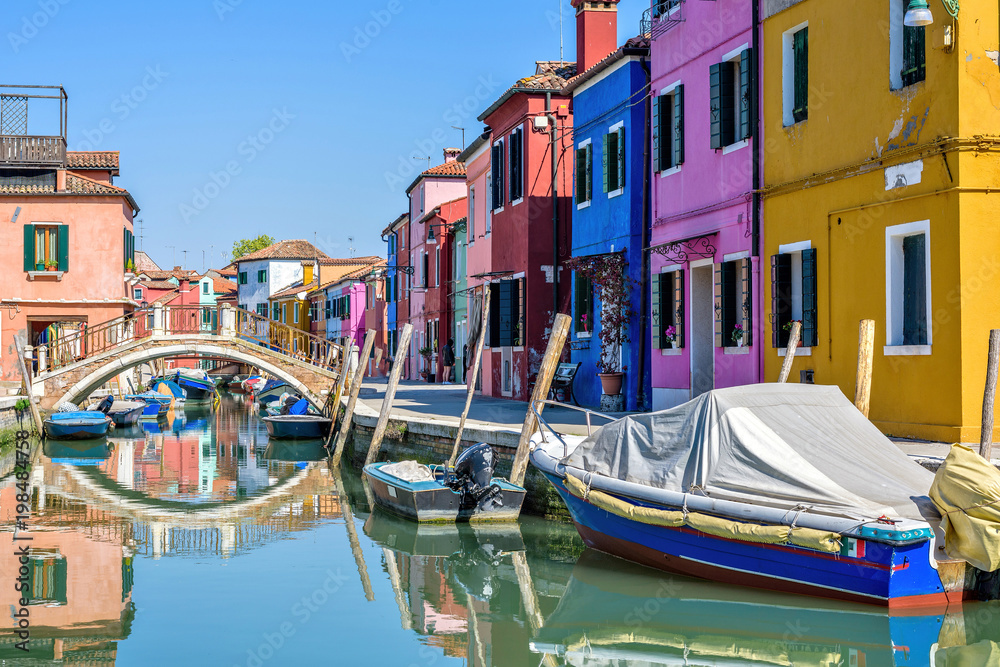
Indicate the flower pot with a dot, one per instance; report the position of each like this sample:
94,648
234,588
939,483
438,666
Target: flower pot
51,268
739,343
39,266
611,383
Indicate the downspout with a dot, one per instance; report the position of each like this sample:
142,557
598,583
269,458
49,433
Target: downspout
646,225
553,135
757,185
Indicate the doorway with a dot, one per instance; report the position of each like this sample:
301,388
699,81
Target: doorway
702,330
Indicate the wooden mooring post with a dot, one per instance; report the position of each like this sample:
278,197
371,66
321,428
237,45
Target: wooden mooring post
26,383
471,379
866,352
560,329
989,396
352,402
793,345
390,394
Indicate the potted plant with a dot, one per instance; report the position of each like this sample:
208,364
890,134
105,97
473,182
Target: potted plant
130,267
51,266
613,289
426,352
670,336
737,335
788,327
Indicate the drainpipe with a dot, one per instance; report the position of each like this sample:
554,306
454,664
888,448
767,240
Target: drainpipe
755,223
646,225
553,135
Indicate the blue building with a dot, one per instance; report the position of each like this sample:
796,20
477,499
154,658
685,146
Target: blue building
610,213
395,282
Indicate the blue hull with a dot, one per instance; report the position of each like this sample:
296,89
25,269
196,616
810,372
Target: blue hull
76,430
895,576
195,390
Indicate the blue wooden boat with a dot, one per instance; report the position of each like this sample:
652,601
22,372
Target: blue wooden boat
297,426
126,412
165,386
272,391
782,487
84,425
156,405
432,494
197,385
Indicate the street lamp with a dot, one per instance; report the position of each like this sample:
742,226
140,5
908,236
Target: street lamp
918,13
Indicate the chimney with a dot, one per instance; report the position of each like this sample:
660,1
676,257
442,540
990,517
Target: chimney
596,31
307,273
451,154
60,180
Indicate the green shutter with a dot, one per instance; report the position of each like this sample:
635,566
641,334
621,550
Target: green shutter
723,104
800,54
590,171
781,298
581,174
657,319
719,306
678,137
657,139
605,152
63,247
494,339
810,332
29,247
747,101
124,248
915,290
621,158
678,287
745,302
715,104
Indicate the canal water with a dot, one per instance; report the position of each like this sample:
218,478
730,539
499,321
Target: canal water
196,541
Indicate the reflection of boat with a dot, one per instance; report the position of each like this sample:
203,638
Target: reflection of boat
297,426
782,487
298,450
126,413
442,539
77,451
615,613
429,493
77,425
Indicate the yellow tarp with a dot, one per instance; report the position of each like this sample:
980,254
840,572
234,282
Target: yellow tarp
808,538
966,490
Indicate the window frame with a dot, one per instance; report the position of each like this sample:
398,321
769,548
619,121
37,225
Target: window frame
668,129
895,286
788,75
261,276
497,170
515,165
584,187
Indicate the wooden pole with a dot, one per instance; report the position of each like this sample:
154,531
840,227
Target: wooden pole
378,362
793,346
471,379
866,352
352,536
989,396
26,382
345,423
560,329
390,394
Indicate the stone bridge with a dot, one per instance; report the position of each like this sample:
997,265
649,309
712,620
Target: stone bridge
72,369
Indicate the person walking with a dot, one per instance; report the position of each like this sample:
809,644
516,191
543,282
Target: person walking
448,359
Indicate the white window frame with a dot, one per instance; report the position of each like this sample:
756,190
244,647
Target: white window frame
896,14
472,215
502,168
669,90
137,293
894,236
736,56
580,146
437,267
611,130
788,74
510,165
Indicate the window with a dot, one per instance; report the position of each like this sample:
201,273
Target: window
507,313
424,268
262,276
665,7
516,165
262,310
276,312
496,172
613,161
437,267
422,198
908,290
583,306
129,244
46,578
313,311
733,303
668,129
46,246
489,211
795,74
908,55
137,293
242,279
732,100
295,311
584,174
207,316
204,288
668,309
472,215
329,309
793,293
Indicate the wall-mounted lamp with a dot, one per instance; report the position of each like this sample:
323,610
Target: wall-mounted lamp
918,12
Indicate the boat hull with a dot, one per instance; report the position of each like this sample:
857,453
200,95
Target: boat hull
279,428
127,417
432,502
70,430
893,576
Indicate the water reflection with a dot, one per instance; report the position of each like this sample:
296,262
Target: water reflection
207,530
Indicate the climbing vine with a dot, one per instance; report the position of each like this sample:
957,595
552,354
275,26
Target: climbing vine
612,287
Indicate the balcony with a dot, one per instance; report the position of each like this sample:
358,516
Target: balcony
35,145
26,151
661,17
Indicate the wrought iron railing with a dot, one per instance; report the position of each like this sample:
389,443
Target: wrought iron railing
661,17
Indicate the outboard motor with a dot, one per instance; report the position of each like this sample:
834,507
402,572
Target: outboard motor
105,405
473,476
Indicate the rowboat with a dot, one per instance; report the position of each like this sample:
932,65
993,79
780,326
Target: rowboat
169,388
271,391
197,386
297,426
783,487
470,492
83,425
126,412
156,405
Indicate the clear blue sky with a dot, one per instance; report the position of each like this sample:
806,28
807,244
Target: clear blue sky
180,89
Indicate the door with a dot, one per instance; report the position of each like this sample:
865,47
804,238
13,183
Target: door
702,330
506,371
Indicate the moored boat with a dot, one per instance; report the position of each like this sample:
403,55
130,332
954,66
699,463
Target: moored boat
271,392
297,426
169,388
782,487
197,385
431,494
126,412
155,405
83,425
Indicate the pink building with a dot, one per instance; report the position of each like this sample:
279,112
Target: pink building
705,269
436,186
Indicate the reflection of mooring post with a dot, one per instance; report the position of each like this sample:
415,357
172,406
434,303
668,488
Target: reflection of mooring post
227,540
528,595
405,617
352,535
156,536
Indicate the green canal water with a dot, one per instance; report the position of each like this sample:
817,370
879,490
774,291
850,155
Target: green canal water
198,542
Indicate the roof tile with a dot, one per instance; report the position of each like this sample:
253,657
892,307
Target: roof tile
92,160
297,249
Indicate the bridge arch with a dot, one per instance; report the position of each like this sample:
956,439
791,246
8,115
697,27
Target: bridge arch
110,367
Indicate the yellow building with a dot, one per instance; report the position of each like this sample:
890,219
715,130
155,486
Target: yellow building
879,155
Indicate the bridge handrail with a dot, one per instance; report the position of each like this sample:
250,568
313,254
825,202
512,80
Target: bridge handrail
288,340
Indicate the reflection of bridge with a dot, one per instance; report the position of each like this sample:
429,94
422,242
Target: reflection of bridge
71,368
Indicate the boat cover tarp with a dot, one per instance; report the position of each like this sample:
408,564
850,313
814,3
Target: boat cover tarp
966,491
409,471
779,445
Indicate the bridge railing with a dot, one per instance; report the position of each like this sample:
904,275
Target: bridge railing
87,341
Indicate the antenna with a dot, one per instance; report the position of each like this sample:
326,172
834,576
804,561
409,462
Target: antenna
185,257
560,31
350,245
428,158
456,127
141,235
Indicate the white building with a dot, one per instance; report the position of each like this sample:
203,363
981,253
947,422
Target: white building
266,272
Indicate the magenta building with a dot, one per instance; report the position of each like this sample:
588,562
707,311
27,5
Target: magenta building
706,275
